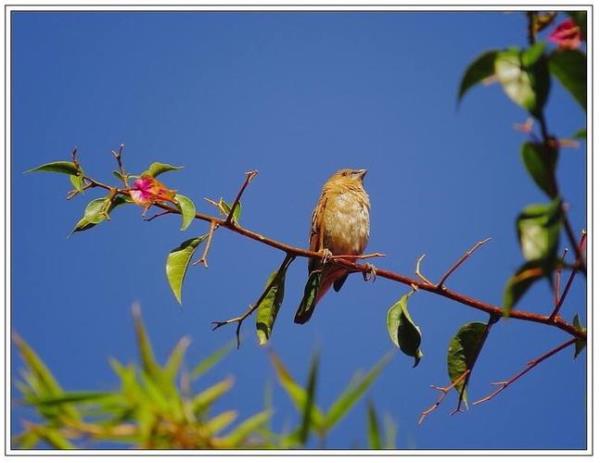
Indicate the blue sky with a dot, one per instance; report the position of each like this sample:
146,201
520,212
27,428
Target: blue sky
295,96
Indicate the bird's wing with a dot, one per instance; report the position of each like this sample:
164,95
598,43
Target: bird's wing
316,231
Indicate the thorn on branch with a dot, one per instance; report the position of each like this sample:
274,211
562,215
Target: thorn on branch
211,231
249,177
418,271
529,366
443,393
460,261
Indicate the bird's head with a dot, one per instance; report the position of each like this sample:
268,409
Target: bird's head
349,175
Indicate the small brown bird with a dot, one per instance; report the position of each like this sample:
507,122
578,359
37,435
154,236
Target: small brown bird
340,226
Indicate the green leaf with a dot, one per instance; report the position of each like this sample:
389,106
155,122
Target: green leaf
174,361
518,284
208,396
581,134
353,392
267,310
580,18
540,161
311,388
481,68
157,168
569,67
28,440
54,438
524,76
227,208
238,435
69,398
188,210
462,352
210,361
178,262
97,211
58,167
373,433
390,431
538,230
49,385
403,331
309,300
295,392
579,343
219,422
146,353
77,182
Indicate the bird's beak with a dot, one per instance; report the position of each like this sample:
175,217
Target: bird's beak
362,173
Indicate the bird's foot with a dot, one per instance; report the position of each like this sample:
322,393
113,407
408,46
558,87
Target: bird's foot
326,255
370,273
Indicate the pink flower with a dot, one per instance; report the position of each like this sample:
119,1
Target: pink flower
146,190
566,35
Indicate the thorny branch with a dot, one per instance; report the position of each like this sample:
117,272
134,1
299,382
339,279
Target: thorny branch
561,300
443,393
460,261
249,177
355,267
530,365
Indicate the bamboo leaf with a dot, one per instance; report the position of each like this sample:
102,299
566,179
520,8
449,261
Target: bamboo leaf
353,393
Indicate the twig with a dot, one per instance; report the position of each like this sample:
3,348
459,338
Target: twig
386,274
530,365
249,176
460,261
156,216
573,240
118,156
289,258
361,256
556,282
561,300
211,231
418,271
443,393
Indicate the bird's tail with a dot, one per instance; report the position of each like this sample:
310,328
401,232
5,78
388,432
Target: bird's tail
319,282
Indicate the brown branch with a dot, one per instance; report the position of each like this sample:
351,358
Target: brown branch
556,282
464,299
289,258
579,260
118,156
443,393
156,216
211,231
561,300
530,365
249,177
460,261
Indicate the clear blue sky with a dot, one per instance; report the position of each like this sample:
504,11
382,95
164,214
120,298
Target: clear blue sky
296,96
